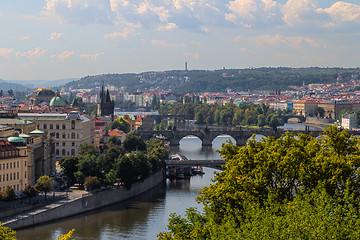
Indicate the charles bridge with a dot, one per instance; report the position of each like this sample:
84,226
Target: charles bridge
207,136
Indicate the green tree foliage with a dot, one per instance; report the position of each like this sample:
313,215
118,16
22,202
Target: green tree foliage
295,187
7,233
44,184
87,148
69,168
8,194
121,124
129,163
91,183
30,191
133,142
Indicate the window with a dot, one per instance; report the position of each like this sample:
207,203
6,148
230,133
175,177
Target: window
10,165
7,165
25,174
51,126
17,164
73,144
72,135
14,176
57,143
63,135
10,177
72,152
57,135
68,153
73,124
63,144
63,125
17,175
57,151
45,126
77,135
0,166
25,163
57,126
63,152
17,187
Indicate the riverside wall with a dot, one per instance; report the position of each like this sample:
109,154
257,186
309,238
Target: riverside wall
87,203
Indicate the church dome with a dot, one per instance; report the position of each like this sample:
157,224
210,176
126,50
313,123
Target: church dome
57,101
17,141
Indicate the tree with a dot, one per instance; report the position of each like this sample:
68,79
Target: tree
69,168
126,171
91,183
8,194
7,233
30,191
44,184
133,142
295,187
87,148
319,112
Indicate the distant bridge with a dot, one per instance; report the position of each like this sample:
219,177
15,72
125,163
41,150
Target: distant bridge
286,118
191,163
207,136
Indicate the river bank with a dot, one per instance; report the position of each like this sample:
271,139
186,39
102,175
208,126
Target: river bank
86,202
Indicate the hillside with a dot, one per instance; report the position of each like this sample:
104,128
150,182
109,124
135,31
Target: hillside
218,80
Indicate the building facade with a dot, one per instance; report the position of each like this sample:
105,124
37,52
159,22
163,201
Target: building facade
68,130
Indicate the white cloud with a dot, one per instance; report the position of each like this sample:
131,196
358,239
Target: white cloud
342,12
31,54
5,52
79,11
201,15
167,27
55,36
63,56
251,13
192,55
124,34
91,57
162,43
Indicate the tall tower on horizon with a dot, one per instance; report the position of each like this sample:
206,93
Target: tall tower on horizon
186,67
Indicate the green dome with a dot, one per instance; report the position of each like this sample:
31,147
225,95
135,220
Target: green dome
37,132
17,141
24,135
57,102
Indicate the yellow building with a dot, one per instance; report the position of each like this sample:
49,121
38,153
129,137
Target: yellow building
25,158
69,130
304,107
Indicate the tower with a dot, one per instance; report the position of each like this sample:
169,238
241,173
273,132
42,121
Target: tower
186,67
105,105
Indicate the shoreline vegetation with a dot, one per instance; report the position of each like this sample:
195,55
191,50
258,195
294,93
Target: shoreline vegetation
294,187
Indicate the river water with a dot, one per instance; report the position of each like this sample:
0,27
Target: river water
146,215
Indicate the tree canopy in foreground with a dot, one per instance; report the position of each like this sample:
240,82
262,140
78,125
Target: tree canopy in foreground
295,187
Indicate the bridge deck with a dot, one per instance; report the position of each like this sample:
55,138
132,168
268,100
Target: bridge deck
203,163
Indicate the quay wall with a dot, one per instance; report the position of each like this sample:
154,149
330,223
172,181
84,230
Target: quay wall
88,203
315,120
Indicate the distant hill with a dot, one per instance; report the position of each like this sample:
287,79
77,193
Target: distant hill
219,80
43,83
4,85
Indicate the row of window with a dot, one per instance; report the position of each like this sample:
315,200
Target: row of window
13,153
64,153
51,125
64,143
11,176
11,165
73,135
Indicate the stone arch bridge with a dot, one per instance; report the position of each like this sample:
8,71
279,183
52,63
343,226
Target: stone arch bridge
207,136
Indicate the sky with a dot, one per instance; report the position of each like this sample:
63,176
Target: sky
57,39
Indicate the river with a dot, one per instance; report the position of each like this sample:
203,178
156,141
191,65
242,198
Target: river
144,216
